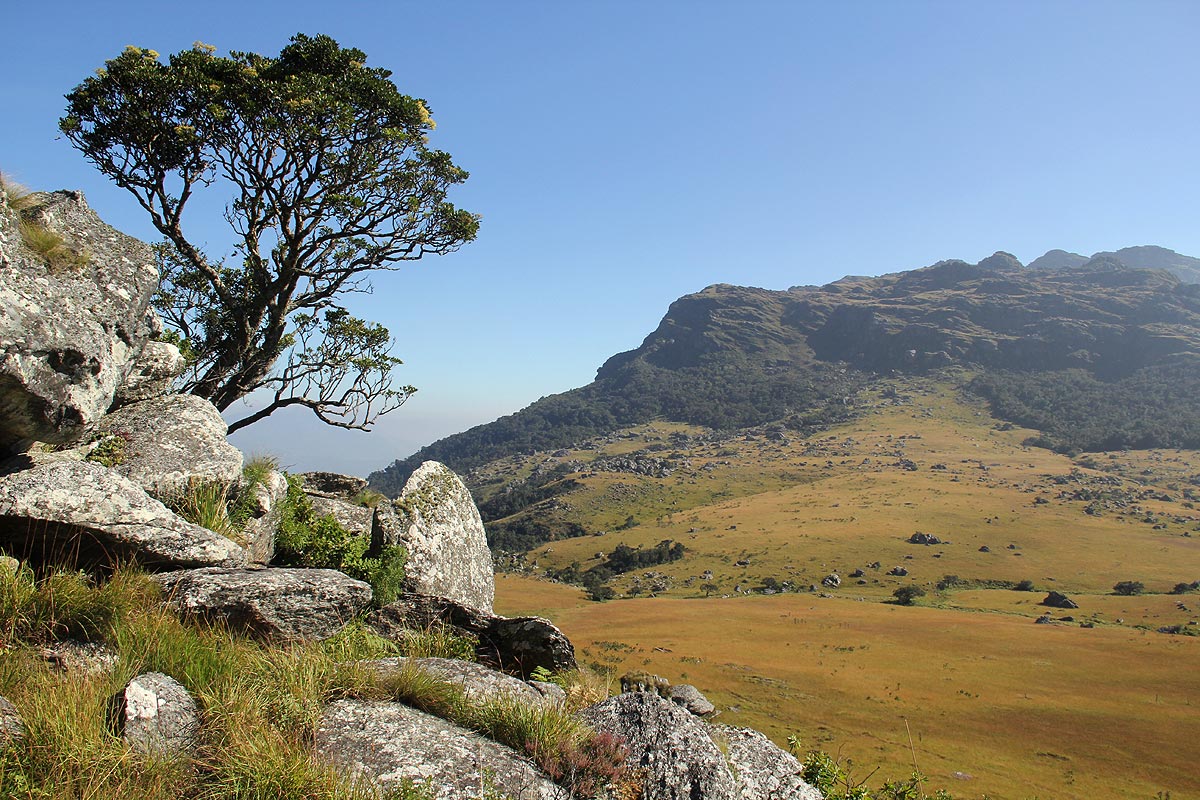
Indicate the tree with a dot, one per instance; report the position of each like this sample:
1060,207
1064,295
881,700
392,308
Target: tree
1129,588
905,595
330,177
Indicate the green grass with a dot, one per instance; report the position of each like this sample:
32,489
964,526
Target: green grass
260,704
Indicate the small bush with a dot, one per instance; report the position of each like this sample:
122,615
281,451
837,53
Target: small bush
306,539
1184,588
1024,586
905,595
110,451
1129,588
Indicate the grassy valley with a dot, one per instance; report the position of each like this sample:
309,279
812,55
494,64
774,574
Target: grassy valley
1096,703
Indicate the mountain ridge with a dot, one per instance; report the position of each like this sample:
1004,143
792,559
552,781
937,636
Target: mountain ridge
729,357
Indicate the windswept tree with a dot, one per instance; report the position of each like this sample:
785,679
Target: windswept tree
328,175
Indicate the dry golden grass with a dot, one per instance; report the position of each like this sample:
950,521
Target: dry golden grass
1051,711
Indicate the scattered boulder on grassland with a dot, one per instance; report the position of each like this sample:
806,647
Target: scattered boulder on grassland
672,748
517,644
172,442
1059,600
155,715
437,523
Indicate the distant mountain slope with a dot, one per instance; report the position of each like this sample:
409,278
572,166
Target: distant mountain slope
1186,268
729,357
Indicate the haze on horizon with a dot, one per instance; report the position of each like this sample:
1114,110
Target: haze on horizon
625,154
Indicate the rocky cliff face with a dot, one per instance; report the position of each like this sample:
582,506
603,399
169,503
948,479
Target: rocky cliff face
59,372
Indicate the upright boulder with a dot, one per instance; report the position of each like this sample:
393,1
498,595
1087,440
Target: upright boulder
168,442
437,522
672,748
156,716
60,372
87,514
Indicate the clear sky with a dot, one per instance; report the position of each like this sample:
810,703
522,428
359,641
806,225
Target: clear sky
625,153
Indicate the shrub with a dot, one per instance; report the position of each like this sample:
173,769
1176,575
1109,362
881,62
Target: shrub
905,595
1184,588
1129,588
307,539
1024,586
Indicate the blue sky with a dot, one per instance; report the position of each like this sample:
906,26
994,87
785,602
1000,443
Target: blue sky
625,153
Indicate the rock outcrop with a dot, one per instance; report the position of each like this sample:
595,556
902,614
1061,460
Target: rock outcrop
12,727
59,372
151,375
672,748
762,771
691,699
390,743
513,644
95,516
278,604
1059,600
155,715
438,524
171,441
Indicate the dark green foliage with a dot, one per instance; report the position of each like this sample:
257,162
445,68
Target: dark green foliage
905,595
1024,586
517,497
524,534
306,539
1152,407
955,582
1129,588
1184,588
836,781
725,390
623,559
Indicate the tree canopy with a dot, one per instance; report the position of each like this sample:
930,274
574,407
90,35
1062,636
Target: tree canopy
330,177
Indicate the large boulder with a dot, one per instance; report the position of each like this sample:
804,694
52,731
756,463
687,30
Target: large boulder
171,441
155,715
437,522
87,514
59,372
1059,600
390,743
152,374
761,770
671,748
476,681
354,518
277,604
517,644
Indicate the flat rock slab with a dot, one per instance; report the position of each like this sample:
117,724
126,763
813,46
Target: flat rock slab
171,441
155,715
84,513
388,743
671,747
278,604
761,770
331,484
477,681
354,518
